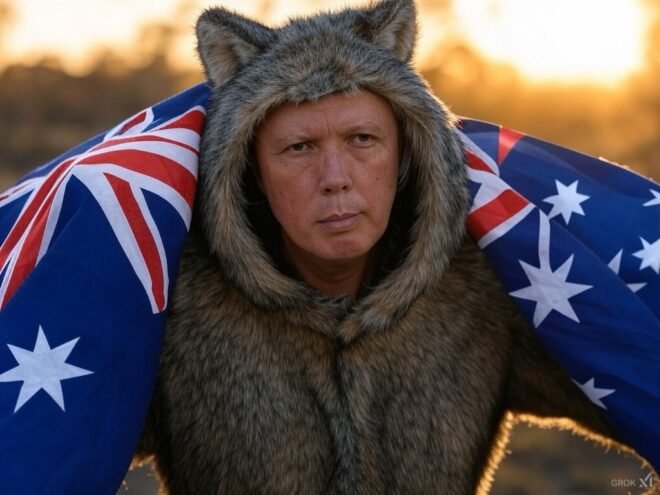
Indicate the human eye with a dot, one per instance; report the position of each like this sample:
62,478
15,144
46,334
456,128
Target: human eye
362,139
299,147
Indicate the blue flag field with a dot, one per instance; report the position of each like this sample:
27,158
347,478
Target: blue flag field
89,246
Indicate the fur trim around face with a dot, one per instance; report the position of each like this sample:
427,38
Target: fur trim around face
253,69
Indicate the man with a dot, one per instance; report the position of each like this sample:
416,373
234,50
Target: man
329,170
333,330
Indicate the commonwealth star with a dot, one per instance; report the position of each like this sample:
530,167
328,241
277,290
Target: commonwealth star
42,369
549,288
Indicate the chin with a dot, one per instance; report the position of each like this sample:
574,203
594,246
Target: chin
345,250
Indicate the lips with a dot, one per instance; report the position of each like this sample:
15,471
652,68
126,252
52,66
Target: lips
340,222
334,218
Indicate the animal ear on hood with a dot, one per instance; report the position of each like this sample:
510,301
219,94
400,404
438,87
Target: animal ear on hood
227,41
391,24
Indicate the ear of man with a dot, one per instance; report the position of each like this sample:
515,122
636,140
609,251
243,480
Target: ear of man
392,25
226,41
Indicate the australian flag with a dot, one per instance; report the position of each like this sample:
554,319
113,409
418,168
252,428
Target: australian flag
89,245
88,254
576,242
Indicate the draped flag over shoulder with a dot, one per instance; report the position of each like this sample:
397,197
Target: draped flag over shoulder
576,242
89,246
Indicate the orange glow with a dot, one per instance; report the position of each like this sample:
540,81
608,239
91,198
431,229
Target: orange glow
590,40
545,39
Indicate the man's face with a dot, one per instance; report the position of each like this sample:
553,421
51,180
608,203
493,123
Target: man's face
329,170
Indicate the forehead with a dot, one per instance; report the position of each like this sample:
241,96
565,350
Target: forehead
338,110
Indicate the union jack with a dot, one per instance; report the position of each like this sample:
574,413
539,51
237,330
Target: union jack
115,171
496,207
83,240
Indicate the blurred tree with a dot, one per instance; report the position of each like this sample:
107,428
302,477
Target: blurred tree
44,110
644,94
619,123
7,18
7,15
158,39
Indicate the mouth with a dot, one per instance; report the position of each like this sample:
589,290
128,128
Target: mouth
340,222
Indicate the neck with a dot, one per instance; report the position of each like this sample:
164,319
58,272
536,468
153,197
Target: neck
335,278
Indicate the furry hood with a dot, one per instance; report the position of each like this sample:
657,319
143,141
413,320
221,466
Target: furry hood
253,69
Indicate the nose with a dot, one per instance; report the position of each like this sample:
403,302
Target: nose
335,173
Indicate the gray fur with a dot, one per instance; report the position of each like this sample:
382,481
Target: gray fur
267,386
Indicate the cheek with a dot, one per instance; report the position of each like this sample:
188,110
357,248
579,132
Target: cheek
289,201
380,188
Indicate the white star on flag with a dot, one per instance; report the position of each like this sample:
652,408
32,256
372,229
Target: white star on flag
615,266
566,201
594,393
650,255
549,289
42,369
655,200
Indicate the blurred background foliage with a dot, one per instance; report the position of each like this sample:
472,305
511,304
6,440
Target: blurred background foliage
45,109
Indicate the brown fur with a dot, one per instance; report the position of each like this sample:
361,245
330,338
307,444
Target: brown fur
267,386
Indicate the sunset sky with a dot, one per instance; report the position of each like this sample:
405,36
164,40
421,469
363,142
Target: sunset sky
568,40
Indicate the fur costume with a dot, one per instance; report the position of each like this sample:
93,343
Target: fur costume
268,386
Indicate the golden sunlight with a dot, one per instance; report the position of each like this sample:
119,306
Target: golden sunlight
70,28
566,40
591,40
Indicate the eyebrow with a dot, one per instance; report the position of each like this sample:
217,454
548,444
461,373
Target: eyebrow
362,126
291,138
354,128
